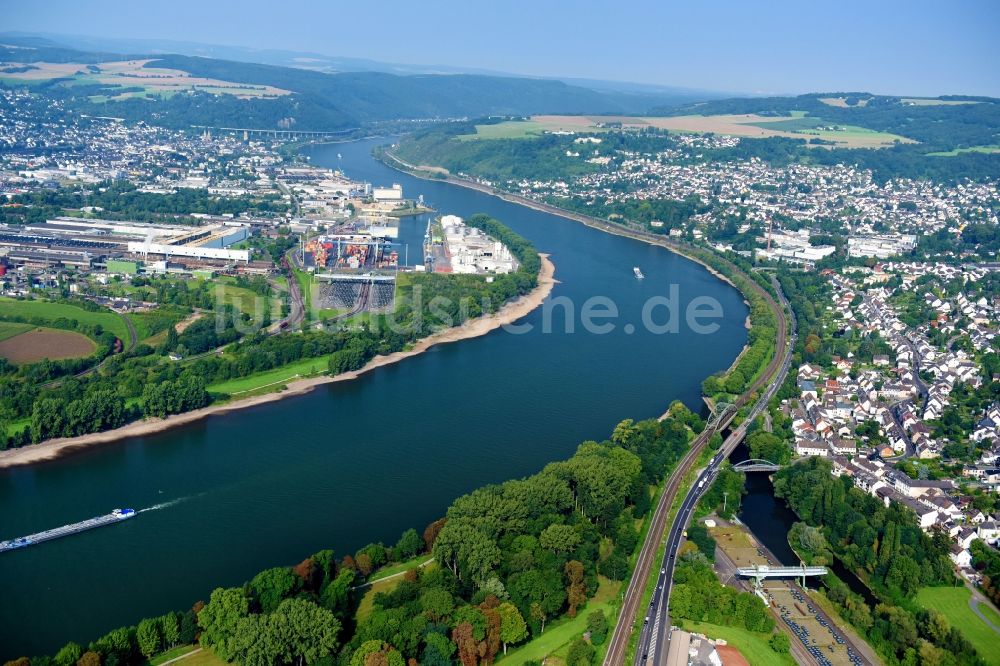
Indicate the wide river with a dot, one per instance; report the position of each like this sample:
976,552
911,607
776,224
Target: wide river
357,461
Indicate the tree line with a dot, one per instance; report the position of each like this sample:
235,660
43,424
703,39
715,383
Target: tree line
507,560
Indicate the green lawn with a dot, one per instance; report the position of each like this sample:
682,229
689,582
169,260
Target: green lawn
242,299
953,603
394,569
16,426
172,653
304,368
9,329
368,601
560,633
753,646
50,311
204,658
158,320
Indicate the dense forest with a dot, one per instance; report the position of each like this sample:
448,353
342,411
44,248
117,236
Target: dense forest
508,559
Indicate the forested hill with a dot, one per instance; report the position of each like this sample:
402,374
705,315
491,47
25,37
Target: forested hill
317,100
942,123
382,96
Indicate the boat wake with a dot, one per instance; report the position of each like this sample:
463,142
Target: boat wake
167,505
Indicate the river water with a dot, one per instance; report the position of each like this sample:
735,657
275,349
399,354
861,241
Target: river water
770,519
356,461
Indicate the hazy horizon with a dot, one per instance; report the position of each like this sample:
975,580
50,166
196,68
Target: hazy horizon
781,48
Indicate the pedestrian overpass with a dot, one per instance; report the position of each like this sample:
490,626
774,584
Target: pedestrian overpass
756,465
760,572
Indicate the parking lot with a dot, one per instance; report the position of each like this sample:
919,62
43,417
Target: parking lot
805,623
824,642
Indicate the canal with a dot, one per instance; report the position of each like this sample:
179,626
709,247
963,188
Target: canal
356,461
770,519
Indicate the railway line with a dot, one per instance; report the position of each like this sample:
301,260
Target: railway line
654,635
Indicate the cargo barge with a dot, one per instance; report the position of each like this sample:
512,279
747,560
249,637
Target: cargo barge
115,516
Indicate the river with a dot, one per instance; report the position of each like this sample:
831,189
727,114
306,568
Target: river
356,461
770,520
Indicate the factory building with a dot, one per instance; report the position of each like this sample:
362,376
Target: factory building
394,193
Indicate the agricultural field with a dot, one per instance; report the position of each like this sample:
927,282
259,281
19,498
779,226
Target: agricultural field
9,329
920,101
841,102
529,129
46,343
796,126
953,603
986,150
50,311
749,125
154,81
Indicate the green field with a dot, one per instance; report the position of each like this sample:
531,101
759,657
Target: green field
385,572
920,101
242,299
9,329
753,646
525,129
203,658
987,150
50,311
953,603
559,634
147,322
273,378
807,125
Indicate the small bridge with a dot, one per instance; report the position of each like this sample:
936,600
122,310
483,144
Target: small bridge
762,571
721,411
756,465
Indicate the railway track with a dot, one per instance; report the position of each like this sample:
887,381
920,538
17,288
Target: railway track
618,645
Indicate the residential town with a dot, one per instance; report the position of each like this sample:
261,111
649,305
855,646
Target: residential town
880,418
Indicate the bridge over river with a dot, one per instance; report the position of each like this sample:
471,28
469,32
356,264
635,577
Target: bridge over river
761,572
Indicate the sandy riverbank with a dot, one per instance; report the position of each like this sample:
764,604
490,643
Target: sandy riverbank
474,328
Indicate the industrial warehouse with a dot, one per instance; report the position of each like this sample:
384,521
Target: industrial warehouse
90,243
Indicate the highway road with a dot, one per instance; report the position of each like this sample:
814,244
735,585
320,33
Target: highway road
654,636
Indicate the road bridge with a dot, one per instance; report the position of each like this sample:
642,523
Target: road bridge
756,465
761,572
247,132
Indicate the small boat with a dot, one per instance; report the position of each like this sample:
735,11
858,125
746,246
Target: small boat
638,273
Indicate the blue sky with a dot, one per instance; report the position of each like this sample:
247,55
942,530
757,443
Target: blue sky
885,46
